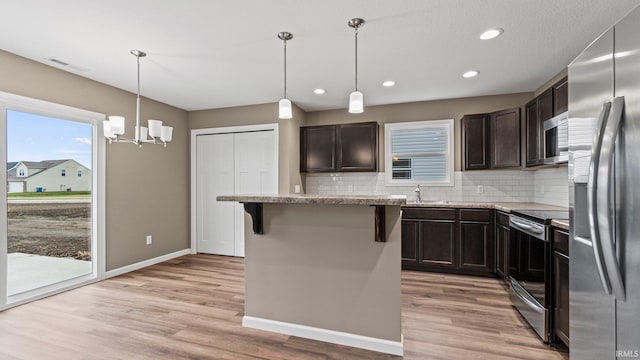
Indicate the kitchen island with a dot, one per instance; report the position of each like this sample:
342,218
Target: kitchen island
324,267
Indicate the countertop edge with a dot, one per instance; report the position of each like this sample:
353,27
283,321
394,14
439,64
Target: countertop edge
316,199
560,224
506,207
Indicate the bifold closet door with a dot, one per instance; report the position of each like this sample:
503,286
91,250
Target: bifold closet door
234,163
255,173
215,176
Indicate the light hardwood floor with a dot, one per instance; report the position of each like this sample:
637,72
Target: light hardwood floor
191,308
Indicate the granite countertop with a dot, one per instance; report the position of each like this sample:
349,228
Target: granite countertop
502,206
396,200
560,223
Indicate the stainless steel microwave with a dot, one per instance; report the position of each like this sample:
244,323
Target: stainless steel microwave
556,139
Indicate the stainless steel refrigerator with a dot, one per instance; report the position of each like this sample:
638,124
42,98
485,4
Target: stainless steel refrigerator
604,178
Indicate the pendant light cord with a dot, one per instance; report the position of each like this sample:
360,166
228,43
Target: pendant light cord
285,69
138,59
138,100
356,58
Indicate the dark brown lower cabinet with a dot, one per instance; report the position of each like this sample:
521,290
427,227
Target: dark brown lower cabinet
448,240
475,230
410,237
561,286
438,244
502,234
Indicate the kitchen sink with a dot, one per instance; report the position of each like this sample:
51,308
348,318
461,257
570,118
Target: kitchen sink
431,202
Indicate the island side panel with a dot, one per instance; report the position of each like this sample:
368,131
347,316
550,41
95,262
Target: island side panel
319,266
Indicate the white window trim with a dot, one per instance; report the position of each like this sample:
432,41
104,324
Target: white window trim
388,128
25,104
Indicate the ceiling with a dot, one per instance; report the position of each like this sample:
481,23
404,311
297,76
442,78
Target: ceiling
205,54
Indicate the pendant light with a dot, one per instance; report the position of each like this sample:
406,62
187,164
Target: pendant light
114,126
284,106
356,99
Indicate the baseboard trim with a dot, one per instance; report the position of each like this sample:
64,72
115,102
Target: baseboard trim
331,336
143,264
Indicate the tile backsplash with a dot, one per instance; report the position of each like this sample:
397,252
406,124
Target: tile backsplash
548,186
551,186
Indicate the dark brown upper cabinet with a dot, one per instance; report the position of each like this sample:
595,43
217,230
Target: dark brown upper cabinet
552,102
505,138
475,139
491,140
318,149
537,111
339,148
357,147
561,96
532,133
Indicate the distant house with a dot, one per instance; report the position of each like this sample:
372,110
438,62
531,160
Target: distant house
48,175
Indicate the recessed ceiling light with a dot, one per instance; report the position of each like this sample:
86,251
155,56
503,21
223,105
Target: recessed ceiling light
491,34
388,83
470,74
319,91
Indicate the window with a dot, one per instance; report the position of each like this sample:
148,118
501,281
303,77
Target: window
56,127
79,173
21,172
419,153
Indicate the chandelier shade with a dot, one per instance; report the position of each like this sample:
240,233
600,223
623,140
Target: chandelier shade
114,127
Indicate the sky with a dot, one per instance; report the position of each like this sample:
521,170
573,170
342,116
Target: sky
35,138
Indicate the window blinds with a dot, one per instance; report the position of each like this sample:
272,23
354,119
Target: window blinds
420,154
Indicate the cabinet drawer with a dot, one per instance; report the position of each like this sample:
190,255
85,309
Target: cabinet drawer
429,214
502,218
561,241
482,215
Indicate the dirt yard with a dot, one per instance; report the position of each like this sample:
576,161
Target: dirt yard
62,230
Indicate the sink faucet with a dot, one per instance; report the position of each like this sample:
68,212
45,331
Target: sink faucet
418,196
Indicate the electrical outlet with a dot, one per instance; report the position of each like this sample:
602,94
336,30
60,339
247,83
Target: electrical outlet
480,189
296,189
149,239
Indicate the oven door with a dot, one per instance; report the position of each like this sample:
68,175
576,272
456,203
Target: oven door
536,315
529,275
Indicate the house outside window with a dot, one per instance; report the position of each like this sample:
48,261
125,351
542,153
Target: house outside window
79,173
63,172
21,172
419,152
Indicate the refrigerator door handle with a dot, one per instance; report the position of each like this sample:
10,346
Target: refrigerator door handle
592,195
603,201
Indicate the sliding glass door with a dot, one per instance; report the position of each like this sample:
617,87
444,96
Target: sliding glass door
51,202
